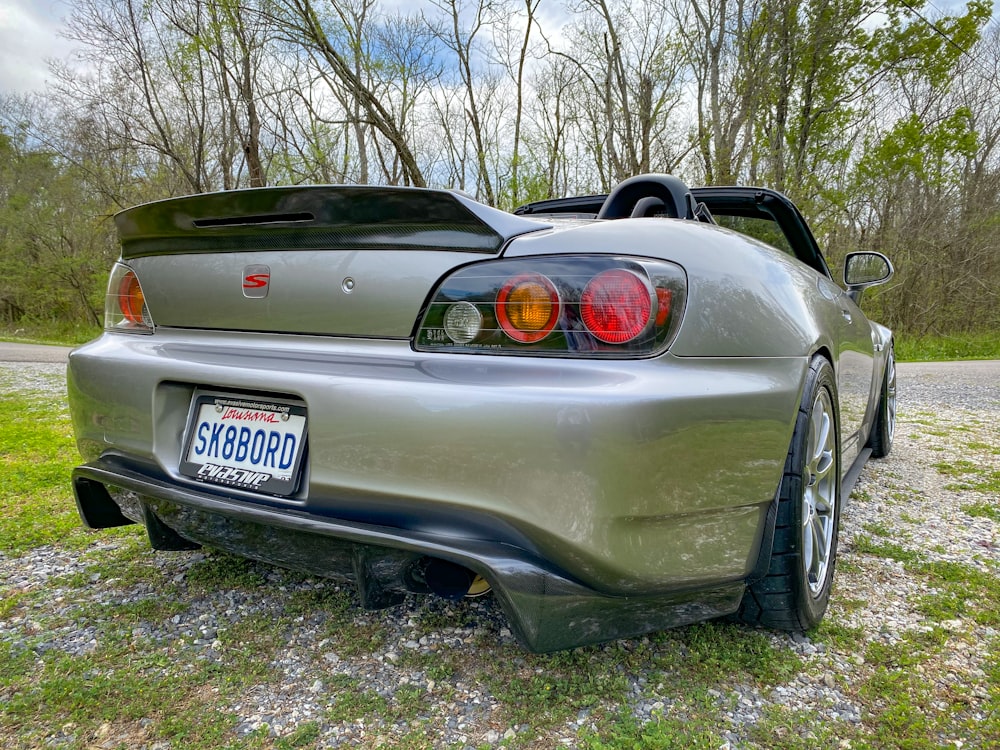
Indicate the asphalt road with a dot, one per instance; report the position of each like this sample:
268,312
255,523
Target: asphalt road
34,353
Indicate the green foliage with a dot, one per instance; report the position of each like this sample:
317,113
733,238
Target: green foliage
36,458
985,345
55,242
58,332
915,149
663,733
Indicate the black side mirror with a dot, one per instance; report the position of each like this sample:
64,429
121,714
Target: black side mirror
865,269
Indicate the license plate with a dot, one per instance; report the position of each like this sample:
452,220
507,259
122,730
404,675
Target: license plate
245,443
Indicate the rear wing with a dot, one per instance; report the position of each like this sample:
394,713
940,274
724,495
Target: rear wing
317,218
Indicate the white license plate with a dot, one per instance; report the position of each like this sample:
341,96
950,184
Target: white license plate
245,443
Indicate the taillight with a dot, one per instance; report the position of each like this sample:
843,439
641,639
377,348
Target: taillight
582,306
616,306
125,307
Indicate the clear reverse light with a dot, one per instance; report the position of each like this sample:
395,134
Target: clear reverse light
463,322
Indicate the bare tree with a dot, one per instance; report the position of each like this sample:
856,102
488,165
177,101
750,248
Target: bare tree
303,24
460,37
625,56
512,40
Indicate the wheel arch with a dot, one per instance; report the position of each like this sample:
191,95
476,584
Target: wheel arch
760,568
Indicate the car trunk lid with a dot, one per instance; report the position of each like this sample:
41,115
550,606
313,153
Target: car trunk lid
336,260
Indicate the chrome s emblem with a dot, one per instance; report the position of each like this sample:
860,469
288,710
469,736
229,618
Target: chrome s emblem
256,281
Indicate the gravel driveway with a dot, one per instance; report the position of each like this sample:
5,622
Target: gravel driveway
949,413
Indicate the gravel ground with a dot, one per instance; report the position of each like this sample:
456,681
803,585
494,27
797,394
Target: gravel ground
943,408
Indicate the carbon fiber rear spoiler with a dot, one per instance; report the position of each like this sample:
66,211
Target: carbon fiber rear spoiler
317,218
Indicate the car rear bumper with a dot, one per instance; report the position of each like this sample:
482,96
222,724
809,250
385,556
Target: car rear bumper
637,478
548,609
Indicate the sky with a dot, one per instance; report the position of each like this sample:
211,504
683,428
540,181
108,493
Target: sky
28,37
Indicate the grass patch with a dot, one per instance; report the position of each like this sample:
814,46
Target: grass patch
907,710
960,592
983,510
878,529
224,570
976,445
49,332
665,732
974,477
546,690
689,670
9,601
353,631
117,690
984,345
37,456
248,647
889,550
839,636
352,703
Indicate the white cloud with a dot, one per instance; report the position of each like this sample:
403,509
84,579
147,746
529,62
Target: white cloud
28,37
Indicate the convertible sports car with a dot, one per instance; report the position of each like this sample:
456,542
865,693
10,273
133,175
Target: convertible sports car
621,413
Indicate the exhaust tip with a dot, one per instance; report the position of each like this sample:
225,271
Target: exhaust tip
479,587
449,580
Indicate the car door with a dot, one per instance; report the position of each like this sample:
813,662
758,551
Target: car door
855,370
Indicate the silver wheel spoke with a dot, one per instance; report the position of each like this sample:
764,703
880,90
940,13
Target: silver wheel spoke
819,500
820,552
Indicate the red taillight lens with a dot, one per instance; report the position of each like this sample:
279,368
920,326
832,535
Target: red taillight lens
528,307
130,299
616,306
663,299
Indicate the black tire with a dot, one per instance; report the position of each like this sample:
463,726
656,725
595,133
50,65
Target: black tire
884,428
794,593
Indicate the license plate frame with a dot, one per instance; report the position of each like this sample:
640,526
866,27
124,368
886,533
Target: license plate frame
252,443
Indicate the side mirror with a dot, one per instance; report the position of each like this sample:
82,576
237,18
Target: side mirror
865,269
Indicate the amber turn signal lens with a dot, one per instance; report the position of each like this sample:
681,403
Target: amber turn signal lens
130,299
528,307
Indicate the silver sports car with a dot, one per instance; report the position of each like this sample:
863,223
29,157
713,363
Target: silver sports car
620,413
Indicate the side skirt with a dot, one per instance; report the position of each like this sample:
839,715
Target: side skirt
851,477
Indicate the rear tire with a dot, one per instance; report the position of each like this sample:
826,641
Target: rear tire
884,428
794,593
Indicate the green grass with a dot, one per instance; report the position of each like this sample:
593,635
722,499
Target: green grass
49,332
865,545
663,733
120,684
37,454
938,348
973,476
983,510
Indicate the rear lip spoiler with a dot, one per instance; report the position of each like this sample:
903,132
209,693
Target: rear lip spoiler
332,217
